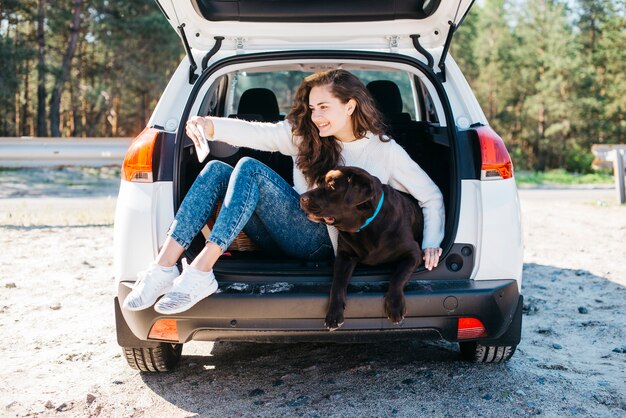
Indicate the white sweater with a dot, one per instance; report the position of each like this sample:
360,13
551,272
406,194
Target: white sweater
386,160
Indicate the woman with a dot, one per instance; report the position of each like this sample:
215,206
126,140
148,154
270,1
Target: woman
333,122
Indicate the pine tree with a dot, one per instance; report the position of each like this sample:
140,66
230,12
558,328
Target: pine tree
542,82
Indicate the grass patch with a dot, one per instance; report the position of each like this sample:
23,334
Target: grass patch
560,176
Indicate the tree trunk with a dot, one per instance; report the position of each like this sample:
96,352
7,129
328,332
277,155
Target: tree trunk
144,110
42,129
115,113
16,125
83,111
18,100
23,130
95,119
81,102
90,128
540,138
73,114
55,99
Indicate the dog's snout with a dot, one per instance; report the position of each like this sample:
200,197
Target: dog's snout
304,200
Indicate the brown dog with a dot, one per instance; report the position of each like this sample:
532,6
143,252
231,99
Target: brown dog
376,224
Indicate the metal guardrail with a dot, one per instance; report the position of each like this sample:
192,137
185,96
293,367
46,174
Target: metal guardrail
46,152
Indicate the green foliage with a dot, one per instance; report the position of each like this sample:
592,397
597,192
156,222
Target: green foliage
550,79
549,74
139,43
126,53
463,47
15,52
8,84
561,176
577,158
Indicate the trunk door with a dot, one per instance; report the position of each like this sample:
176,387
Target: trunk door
298,24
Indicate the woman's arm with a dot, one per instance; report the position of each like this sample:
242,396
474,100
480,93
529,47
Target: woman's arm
257,135
409,177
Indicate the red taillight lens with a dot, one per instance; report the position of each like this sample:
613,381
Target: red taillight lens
164,329
496,162
470,328
137,165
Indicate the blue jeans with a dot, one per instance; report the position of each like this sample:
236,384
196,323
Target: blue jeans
255,199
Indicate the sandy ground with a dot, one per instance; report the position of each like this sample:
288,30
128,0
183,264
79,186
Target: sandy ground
60,356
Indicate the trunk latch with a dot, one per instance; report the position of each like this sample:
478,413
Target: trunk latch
240,43
393,43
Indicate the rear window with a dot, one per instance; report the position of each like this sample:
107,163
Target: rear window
402,80
285,83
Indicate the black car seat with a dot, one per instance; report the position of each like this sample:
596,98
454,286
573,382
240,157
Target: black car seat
400,126
260,105
388,99
416,137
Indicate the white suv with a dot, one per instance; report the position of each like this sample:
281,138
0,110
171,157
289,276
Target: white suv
244,59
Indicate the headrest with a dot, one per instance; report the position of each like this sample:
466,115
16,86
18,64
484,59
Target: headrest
387,96
259,101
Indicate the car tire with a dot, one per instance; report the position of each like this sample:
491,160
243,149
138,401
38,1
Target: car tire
161,358
478,353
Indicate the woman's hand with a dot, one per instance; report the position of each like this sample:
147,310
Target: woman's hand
199,122
431,257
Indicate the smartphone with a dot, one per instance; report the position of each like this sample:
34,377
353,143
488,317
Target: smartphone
202,149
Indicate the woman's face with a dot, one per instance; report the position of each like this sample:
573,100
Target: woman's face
330,115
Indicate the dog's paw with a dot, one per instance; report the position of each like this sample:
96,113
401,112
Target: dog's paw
332,327
334,320
395,308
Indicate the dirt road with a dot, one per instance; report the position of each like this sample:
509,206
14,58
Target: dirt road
60,356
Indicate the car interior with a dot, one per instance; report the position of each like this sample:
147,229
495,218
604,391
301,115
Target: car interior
419,133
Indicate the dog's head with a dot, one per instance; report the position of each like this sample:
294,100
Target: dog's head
348,197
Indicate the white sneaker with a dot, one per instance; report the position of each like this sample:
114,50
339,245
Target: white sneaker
150,284
189,288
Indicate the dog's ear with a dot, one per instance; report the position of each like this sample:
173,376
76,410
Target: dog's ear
330,177
360,190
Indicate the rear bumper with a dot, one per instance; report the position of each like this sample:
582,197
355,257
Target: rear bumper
298,313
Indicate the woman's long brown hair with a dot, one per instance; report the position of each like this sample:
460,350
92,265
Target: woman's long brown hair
318,155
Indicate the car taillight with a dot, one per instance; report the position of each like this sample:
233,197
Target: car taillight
496,162
470,328
164,329
137,165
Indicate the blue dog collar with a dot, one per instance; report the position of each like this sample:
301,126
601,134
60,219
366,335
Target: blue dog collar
371,218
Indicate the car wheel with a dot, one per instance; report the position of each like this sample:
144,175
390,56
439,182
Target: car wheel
162,358
478,353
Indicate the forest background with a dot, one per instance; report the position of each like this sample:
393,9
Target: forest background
550,75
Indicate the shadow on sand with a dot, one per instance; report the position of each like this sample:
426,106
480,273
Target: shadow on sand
413,378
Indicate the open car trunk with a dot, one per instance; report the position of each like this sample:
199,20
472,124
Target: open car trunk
265,23
417,127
